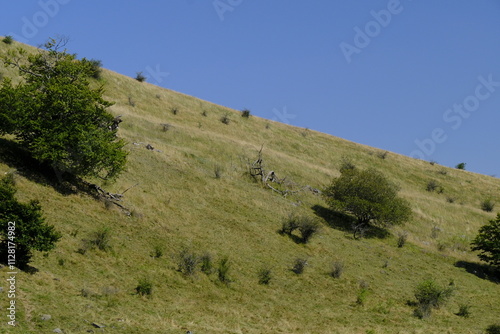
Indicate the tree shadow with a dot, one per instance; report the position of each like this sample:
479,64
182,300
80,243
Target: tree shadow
14,156
346,223
482,271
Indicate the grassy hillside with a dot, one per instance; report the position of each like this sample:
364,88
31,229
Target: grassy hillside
178,203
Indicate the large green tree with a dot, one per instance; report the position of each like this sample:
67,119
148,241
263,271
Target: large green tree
58,114
487,242
22,227
369,196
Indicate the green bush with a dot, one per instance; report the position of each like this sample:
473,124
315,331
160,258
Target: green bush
145,287
24,225
245,113
264,275
95,68
187,262
174,110
361,296
140,77
223,269
206,263
299,265
402,237
493,329
461,166
8,39
430,296
157,252
487,205
225,119
304,225
464,310
337,269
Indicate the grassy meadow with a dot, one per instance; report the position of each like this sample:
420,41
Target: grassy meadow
193,193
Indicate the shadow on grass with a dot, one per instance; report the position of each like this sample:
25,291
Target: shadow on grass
343,222
482,271
14,156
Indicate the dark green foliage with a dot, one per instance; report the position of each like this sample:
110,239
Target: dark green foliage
145,287
487,205
430,296
337,269
432,185
223,270
369,196
207,266
461,165
487,242
299,265
58,117
187,262
225,119
306,227
95,68
264,276
140,77
493,329
29,232
464,310
402,237
157,252
245,113
8,39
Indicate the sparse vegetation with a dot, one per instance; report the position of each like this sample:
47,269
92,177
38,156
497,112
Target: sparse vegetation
299,264
306,226
174,110
140,77
223,269
264,275
225,119
430,296
245,113
402,237
207,266
144,288
337,269
8,39
187,262
464,310
487,205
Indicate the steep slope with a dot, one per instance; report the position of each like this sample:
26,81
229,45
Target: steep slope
177,203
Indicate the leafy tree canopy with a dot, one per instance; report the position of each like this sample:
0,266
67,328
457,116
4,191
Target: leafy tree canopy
58,116
369,196
487,242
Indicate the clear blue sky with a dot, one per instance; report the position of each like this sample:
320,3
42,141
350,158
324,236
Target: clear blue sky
419,78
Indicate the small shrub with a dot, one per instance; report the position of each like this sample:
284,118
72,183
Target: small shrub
461,166
174,110
299,265
487,205
206,263
268,126
429,295
450,199
442,172
432,162
99,239
493,329
144,288
217,171
140,77
225,119
382,155
402,237
223,270
245,113
166,127
435,232
96,68
305,225
441,246
131,101
361,297
264,276
8,39
346,164
187,262
158,96
337,269
433,185
464,310
61,262
157,252
204,113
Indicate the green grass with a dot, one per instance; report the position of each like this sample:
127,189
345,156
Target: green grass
179,204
